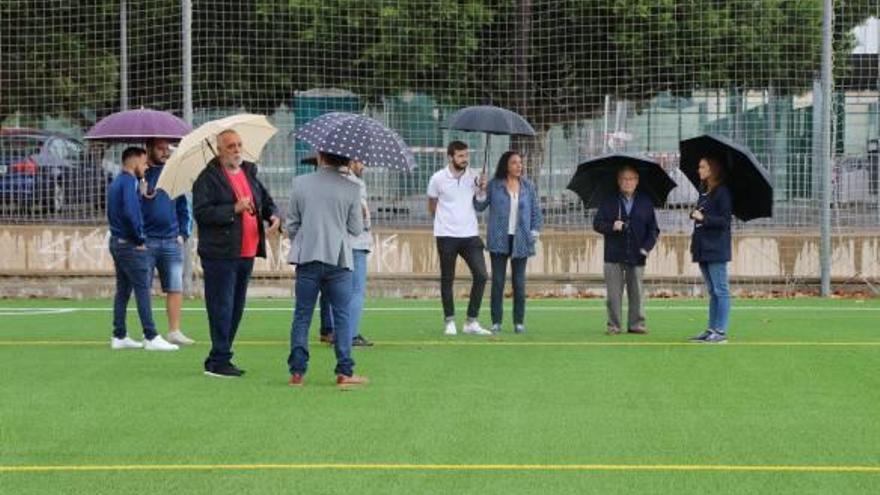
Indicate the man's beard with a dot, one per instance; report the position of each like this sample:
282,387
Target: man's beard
460,167
234,161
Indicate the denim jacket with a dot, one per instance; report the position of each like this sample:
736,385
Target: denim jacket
529,220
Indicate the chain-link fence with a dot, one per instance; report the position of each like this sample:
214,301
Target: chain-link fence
591,76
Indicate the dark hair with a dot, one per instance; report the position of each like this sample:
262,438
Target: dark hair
503,169
627,168
150,142
716,165
334,160
132,152
455,146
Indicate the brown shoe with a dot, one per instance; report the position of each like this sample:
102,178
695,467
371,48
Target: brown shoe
296,380
612,331
327,338
638,330
344,382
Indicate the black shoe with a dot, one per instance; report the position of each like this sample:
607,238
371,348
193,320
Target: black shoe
236,368
360,341
223,371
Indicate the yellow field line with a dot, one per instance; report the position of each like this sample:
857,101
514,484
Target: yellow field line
475,343
443,467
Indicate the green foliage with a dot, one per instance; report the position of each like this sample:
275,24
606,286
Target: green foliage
55,56
554,60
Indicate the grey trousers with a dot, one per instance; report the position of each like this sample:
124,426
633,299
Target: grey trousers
618,275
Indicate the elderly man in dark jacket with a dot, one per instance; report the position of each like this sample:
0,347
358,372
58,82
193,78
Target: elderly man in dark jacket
629,225
230,205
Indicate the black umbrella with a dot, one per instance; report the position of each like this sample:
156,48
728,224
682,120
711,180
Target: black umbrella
490,120
596,178
357,137
748,181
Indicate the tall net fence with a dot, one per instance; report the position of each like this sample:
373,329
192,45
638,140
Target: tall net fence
591,76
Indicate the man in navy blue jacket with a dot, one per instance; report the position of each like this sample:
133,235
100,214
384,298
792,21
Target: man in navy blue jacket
629,225
167,226
130,256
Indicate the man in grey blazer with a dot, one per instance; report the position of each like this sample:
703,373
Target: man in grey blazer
325,210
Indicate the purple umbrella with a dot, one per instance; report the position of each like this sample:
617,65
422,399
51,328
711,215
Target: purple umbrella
139,125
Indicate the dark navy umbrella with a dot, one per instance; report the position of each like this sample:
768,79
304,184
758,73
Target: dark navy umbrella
139,125
357,137
748,181
596,179
490,120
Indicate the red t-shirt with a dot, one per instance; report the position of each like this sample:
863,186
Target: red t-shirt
250,232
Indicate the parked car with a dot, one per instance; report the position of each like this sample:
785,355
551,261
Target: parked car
47,172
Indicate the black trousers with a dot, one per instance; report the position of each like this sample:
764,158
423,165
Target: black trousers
226,283
471,250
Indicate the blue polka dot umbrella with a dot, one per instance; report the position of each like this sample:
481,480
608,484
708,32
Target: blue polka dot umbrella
357,137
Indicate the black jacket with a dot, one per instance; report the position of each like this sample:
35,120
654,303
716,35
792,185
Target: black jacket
640,229
214,211
710,242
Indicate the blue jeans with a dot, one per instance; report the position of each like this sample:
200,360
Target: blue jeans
358,290
715,277
132,274
327,326
166,255
334,284
518,274
226,282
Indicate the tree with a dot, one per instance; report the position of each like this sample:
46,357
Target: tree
56,60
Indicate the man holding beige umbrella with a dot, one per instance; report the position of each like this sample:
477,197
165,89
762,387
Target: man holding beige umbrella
230,206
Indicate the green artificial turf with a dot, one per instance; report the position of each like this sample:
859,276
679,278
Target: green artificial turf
560,409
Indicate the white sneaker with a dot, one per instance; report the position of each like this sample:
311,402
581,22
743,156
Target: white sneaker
450,328
125,343
177,337
473,327
159,344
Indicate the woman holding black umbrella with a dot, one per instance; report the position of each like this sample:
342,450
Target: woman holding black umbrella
513,226
711,245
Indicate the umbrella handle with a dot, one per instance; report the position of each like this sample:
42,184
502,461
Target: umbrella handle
486,153
211,147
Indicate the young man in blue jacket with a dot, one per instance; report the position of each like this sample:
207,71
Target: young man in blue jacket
629,225
130,255
167,226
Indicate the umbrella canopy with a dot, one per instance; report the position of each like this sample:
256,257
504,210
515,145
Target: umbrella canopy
490,119
197,148
748,181
358,137
596,178
138,125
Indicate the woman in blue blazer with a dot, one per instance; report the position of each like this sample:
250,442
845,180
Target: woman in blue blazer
512,229
710,246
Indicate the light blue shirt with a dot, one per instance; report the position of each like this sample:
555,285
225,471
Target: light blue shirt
627,203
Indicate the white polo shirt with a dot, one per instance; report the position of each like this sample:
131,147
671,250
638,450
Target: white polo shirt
455,215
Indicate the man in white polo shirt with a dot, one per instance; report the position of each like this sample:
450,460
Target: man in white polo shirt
451,201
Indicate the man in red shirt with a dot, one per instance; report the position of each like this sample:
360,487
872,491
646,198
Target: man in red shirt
230,206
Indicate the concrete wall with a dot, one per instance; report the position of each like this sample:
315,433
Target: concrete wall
31,251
